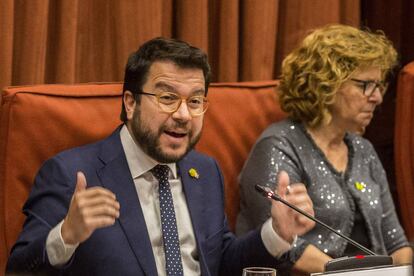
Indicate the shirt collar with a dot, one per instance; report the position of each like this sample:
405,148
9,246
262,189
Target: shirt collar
138,161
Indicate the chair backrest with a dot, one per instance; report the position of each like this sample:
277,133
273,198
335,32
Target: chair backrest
39,121
404,147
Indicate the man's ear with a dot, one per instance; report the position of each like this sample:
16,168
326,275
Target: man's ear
129,103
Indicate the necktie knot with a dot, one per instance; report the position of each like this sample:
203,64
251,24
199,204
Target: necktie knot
160,172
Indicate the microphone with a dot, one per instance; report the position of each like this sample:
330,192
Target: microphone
340,263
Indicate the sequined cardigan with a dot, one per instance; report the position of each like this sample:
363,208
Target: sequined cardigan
287,146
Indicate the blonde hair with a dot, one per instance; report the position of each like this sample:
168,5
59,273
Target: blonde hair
313,72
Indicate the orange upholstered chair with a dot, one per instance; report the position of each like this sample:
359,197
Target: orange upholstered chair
404,147
39,121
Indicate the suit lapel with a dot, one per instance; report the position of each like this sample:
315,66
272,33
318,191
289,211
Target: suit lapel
115,176
193,189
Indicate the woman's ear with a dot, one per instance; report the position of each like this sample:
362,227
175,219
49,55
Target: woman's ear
129,103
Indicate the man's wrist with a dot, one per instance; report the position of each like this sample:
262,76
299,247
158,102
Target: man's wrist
57,250
65,235
277,230
273,242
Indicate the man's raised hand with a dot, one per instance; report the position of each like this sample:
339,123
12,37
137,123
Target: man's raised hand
90,209
287,222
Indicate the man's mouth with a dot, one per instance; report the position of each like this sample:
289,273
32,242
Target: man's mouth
175,134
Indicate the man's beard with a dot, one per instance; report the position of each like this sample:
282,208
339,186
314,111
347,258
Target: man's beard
150,141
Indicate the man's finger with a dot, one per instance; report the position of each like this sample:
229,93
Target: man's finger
299,199
283,183
96,191
297,188
80,182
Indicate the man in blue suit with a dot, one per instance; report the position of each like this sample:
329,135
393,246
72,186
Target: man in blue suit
105,208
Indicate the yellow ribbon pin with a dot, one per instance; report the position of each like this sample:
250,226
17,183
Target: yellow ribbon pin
360,186
193,173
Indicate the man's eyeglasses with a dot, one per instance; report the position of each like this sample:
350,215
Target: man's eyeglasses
369,86
170,102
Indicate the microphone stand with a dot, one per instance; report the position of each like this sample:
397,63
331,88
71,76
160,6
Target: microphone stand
340,263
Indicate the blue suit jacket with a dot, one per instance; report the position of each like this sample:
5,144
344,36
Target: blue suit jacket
125,248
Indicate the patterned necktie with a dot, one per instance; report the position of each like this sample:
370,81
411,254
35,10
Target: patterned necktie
168,223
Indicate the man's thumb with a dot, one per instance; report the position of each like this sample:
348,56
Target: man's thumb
80,182
283,183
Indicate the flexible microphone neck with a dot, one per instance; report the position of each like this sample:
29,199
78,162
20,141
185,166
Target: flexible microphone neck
267,192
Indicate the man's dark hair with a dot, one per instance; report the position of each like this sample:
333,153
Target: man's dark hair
161,49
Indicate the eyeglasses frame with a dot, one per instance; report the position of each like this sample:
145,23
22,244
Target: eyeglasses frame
157,95
378,84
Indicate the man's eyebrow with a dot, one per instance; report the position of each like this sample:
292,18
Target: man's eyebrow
165,86
200,91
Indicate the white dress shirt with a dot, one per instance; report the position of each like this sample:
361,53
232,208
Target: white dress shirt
146,186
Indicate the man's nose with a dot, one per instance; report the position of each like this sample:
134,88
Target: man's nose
183,112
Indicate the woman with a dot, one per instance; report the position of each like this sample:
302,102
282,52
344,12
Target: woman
330,87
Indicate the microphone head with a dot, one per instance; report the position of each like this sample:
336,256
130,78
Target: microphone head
265,191
261,189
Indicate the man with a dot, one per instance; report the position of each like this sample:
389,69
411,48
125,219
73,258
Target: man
142,202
